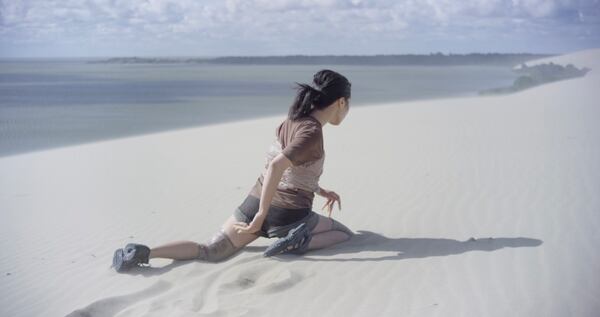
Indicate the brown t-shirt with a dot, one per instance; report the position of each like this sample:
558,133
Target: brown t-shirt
301,141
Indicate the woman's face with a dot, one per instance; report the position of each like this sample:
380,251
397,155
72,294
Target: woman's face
342,108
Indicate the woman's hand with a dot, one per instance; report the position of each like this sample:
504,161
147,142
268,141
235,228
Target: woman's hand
332,197
252,227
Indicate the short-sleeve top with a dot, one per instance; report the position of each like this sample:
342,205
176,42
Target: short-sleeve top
301,141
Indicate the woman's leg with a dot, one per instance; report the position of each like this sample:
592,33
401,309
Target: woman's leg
223,244
328,232
178,250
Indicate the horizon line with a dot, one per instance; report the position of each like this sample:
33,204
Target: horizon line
265,56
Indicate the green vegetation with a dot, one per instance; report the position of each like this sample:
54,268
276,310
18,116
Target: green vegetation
538,74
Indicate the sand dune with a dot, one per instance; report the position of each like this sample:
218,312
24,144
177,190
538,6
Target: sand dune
479,206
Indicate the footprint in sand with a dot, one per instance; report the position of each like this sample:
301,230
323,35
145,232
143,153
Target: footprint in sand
262,278
230,283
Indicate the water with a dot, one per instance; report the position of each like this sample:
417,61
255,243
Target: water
47,104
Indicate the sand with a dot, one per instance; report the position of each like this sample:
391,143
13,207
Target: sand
417,180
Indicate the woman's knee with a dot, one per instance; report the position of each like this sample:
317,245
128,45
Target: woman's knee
338,226
323,224
219,248
329,224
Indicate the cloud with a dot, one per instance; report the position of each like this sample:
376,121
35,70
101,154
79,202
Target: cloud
293,22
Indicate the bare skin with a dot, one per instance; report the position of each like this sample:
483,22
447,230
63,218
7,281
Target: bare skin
241,234
323,236
187,250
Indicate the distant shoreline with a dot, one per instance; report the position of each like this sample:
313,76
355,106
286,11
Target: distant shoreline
437,59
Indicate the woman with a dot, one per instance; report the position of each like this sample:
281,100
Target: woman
280,203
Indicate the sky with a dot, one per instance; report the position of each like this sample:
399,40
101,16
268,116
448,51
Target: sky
205,28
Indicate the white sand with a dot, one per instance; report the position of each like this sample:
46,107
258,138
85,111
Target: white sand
417,180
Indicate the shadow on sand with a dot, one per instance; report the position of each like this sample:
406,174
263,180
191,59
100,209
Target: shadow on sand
408,248
365,241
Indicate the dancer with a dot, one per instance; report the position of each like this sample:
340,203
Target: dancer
280,203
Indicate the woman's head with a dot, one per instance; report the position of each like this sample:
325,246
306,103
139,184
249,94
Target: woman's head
330,92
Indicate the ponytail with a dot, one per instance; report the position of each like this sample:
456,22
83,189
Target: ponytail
303,103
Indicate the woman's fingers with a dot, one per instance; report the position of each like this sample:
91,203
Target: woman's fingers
338,198
243,230
329,202
332,197
240,227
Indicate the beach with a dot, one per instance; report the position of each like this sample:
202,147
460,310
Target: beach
470,206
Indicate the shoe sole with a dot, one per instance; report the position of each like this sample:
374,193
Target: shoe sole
124,259
294,236
118,260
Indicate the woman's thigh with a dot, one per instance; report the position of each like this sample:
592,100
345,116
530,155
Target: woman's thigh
238,239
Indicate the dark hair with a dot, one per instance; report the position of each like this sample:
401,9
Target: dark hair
328,87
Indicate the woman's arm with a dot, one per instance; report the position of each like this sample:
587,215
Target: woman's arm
272,177
318,191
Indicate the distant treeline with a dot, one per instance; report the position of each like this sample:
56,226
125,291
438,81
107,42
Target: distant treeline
536,75
407,59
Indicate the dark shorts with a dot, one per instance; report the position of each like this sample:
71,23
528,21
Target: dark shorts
279,220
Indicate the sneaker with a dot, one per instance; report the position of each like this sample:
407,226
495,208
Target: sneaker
130,256
296,242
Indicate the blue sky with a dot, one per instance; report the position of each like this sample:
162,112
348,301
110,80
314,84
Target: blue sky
102,28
